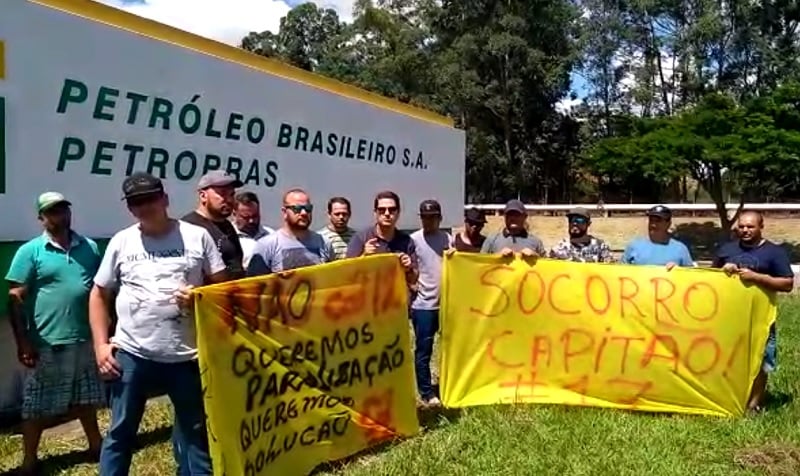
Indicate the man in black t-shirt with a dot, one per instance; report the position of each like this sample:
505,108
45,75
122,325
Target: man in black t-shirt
758,261
470,239
216,191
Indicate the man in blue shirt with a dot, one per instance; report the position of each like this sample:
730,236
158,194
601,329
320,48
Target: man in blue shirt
659,248
763,263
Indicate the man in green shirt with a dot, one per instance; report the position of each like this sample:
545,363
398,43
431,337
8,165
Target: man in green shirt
336,232
49,280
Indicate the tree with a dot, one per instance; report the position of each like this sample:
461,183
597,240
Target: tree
306,37
732,150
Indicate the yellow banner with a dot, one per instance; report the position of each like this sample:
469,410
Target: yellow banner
306,366
605,335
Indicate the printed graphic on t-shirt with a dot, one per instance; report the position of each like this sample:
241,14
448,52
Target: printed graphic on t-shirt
293,258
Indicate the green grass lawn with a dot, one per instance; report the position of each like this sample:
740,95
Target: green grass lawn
528,440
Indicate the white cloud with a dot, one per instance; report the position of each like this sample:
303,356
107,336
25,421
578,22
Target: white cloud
566,105
227,21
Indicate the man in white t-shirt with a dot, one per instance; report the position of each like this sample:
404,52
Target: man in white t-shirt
151,268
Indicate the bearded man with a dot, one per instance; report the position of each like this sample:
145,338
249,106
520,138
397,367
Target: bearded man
293,245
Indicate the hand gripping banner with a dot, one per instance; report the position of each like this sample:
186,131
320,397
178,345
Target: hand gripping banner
306,366
603,335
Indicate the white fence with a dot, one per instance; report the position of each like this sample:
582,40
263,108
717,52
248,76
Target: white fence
641,207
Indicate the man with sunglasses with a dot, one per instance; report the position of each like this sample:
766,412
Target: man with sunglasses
151,267
384,237
470,238
581,246
49,282
216,192
294,245
659,248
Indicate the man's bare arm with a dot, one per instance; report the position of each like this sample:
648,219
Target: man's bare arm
16,311
100,300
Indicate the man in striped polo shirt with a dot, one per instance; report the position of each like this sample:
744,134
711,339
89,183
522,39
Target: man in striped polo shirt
336,232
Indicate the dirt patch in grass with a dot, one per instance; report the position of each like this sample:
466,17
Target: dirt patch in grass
774,459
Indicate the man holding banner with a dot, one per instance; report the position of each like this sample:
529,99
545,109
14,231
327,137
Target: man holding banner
581,246
758,261
384,237
152,266
294,245
659,248
514,238
430,244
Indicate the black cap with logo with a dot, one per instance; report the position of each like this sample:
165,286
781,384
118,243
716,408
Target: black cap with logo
660,211
430,208
141,183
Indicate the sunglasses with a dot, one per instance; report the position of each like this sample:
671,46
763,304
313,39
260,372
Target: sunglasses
384,210
578,220
308,208
143,200
474,224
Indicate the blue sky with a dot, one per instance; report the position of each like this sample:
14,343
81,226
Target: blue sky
230,20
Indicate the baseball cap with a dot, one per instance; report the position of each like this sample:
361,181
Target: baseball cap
430,207
660,211
141,183
48,200
514,205
579,212
218,178
474,215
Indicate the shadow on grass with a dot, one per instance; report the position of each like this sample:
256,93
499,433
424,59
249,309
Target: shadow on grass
56,464
429,419
776,400
704,238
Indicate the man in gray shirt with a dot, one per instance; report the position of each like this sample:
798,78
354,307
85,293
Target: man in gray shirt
293,245
430,244
514,238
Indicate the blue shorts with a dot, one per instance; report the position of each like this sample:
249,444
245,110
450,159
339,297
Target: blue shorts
770,351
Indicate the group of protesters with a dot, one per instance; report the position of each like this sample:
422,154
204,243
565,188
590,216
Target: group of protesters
116,329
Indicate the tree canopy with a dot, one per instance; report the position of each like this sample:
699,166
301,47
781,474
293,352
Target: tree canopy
680,100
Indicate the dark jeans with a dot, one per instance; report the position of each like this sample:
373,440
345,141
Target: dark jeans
426,324
128,394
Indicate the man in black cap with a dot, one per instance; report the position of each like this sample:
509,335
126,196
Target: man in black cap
659,248
470,239
430,244
581,246
217,199
514,238
147,274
